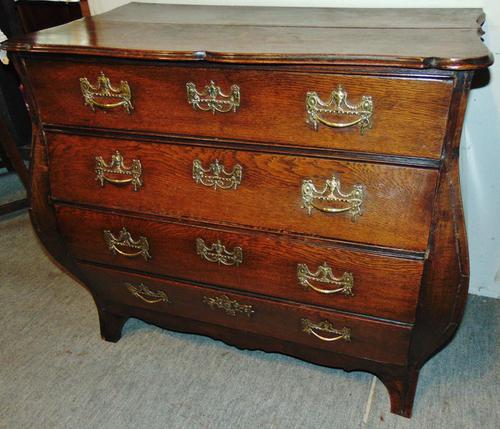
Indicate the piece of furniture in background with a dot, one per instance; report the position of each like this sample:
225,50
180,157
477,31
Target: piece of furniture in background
15,124
36,15
288,182
10,158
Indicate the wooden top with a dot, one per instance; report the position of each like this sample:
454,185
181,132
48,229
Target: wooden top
414,38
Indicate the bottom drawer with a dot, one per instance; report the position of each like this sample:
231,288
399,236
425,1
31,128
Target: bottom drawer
329,330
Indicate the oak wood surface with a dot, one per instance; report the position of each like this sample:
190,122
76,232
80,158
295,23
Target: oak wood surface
454,44
409,114
446,277
297,17
384,286
371,339
269,195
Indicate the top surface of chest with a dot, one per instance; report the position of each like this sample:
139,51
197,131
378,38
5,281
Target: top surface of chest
415,38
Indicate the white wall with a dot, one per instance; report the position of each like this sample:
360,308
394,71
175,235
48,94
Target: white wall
480,162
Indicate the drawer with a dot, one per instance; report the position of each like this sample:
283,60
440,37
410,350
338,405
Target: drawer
356,336
399,116
391,208
274,265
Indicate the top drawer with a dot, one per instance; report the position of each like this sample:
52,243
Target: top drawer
384,115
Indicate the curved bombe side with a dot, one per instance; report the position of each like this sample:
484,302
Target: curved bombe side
43,217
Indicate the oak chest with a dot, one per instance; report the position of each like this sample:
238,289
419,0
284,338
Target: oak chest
280,179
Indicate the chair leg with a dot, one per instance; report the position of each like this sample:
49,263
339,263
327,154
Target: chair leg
13,206
4,161
13,156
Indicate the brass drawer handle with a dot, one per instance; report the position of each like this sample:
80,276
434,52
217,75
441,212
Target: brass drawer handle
229,306
216,175
124,239
117,167
331,193
326,326
324,274
338,105
103,89
212,99
218,253
142,292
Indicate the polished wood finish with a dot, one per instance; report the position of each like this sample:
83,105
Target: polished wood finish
407,252
447,268
384,286
409,114
297,17
269,195
355,38
370,339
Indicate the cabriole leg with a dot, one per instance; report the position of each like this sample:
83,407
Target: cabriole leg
401,391
111,325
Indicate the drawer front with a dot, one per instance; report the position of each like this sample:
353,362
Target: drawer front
354,336
370,203
312,272
397,116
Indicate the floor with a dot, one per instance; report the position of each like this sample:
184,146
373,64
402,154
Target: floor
56,372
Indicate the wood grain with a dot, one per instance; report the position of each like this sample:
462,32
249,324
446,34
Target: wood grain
409,114
297,17
371,339
452,44
268,197
446,278
384,286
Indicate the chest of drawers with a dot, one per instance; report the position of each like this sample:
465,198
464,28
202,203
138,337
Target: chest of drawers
279,179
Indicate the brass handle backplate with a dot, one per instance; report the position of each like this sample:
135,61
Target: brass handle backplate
117,167
229,306
326,326
216,175
331,193
338,106
94,95
324,274
218,253
212,99
124,239
142,292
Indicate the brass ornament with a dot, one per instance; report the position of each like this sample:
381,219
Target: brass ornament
92,94
339,106
212,99
324,274
331,193
326,326
229,306
117,167
142,292
124,239
218,253
216,175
